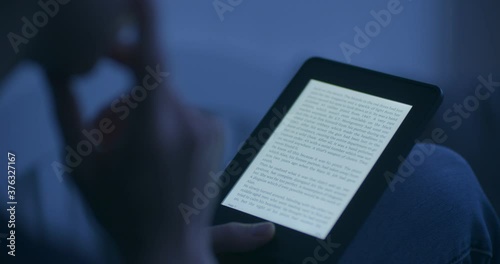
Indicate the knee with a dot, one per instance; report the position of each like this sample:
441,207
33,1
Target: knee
441,157
439,208
437,179
432,167
433,156
446,195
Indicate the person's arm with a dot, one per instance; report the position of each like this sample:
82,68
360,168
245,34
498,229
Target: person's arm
148,163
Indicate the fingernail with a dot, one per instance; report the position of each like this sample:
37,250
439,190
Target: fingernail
263,229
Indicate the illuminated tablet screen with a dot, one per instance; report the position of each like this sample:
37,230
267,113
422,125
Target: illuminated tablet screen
317,158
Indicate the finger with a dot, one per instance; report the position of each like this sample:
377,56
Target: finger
127,39
140,24
145,15
66,108
238,237
68,115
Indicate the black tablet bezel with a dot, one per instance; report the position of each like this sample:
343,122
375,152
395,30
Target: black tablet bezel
293,245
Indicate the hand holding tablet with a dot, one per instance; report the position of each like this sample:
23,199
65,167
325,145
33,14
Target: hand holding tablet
320,171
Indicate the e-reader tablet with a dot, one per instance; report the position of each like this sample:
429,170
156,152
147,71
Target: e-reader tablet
315,165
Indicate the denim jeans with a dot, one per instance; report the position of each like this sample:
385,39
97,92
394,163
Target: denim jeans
439,214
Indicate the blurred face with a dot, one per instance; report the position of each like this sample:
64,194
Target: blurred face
77,35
